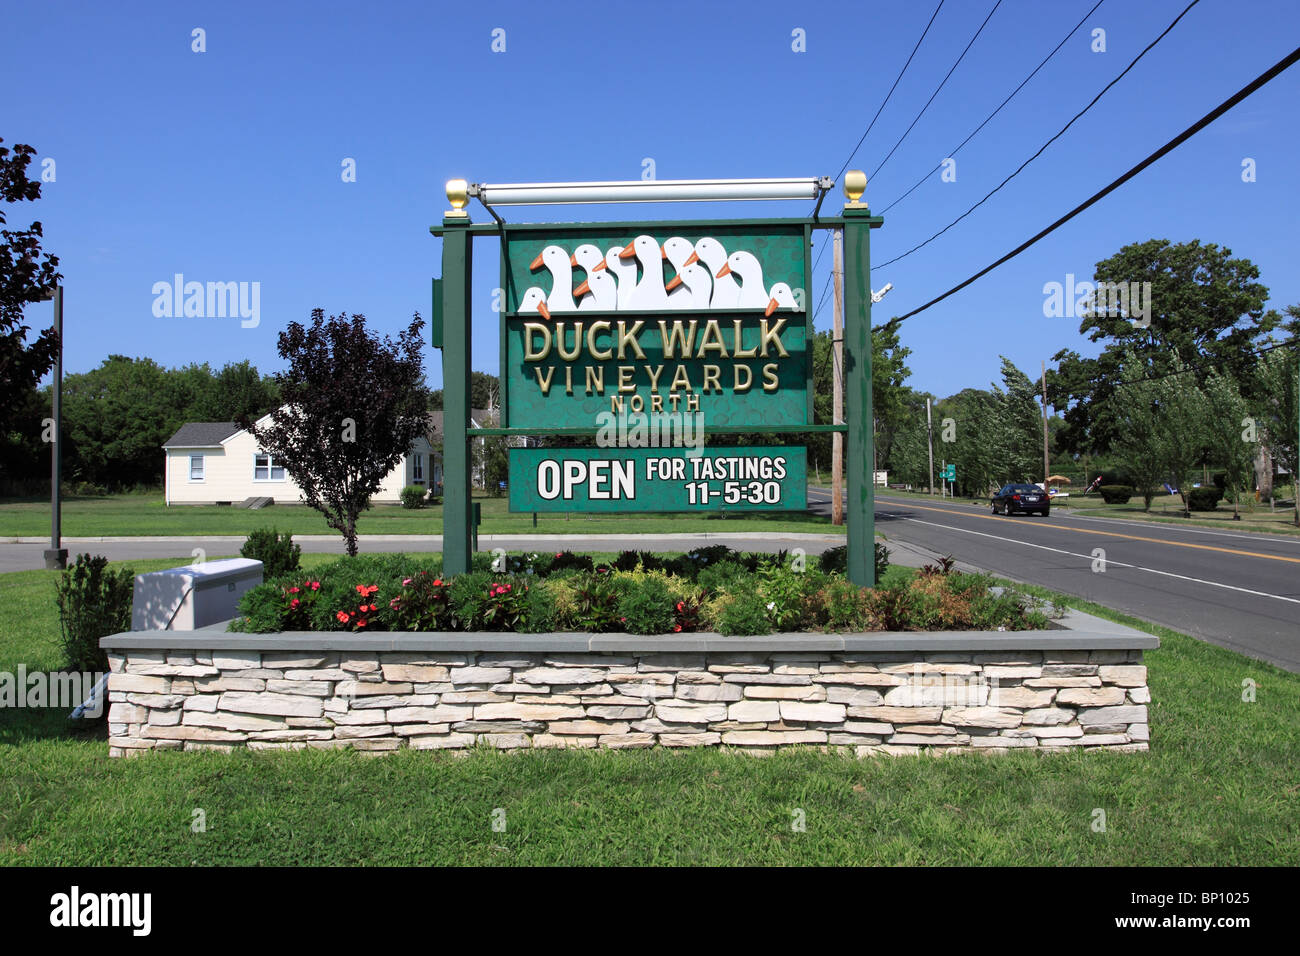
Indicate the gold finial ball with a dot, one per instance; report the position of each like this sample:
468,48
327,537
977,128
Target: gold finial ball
458,194
855,184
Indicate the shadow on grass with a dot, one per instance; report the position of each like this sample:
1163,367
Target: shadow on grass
31,724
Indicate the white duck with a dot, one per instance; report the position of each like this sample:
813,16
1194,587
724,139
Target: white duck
649,292
624,275
534,300
556,261
753,294
599,290
780,296
691,287
726,291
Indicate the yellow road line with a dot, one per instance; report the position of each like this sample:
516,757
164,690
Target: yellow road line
1130,537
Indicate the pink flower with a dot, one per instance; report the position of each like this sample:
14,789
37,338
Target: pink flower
405,582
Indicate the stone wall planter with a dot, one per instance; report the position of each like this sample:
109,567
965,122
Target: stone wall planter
1080,684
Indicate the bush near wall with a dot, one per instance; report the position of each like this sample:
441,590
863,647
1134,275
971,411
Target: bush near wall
279,555
713,590
94,601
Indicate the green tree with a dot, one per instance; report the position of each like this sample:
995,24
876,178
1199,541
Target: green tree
115,420
1276,402
1231,434
1134,410
27,275
1181,436
1205,306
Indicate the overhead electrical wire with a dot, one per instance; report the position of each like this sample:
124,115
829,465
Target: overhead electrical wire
1041,149
951,70
891,91
1010,96
1264,78
883,103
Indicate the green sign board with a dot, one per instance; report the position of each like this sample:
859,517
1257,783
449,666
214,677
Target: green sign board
949,473
764,478
707,319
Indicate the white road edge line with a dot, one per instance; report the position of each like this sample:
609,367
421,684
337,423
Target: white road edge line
1268,537
1089,558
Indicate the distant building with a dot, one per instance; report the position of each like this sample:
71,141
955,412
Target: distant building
220,463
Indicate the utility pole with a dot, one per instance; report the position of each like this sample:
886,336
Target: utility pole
929,442
837,401
1046,467
56,556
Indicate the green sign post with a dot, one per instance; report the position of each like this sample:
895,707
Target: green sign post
701,327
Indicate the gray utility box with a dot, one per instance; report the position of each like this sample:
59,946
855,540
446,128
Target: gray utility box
184,599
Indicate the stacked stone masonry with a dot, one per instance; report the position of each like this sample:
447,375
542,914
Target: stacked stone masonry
870,702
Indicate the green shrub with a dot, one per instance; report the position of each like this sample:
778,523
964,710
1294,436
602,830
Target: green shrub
542,612
646,606
1204,498
93,601
1116,494
836,560
279,555
595,604
743,613
413,496
468,595
718,577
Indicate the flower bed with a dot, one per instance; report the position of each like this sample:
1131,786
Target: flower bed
711,590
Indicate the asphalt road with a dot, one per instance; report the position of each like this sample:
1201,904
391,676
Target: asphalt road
30,556
1235,589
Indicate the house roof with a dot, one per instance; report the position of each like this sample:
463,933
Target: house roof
201,435
477,415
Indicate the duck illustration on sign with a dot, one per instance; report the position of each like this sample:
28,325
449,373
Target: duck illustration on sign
631,278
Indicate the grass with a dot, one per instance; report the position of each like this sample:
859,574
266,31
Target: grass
146,514
1219,787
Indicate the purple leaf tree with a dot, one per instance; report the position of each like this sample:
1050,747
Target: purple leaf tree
352,404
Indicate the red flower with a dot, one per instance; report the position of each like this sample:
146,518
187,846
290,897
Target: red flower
342,616
294,603
315,585
679,605
437,582
677,628
293,590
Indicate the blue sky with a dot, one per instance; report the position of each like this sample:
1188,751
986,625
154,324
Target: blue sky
226,165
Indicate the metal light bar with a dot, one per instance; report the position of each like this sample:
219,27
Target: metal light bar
662,190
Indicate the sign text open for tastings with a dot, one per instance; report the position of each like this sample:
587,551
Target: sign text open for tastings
763,478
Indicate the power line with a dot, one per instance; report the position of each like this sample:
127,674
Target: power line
883,102
996,4
1058,135
1267,76
891,90
1010,96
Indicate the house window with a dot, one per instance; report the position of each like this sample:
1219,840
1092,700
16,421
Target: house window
417,468
196,467
264,469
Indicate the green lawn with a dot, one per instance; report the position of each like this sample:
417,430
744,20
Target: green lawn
145,514
1218,787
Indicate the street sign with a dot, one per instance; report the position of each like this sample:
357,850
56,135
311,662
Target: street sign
764,478
949,472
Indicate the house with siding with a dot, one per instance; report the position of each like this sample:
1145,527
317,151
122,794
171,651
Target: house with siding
220,463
